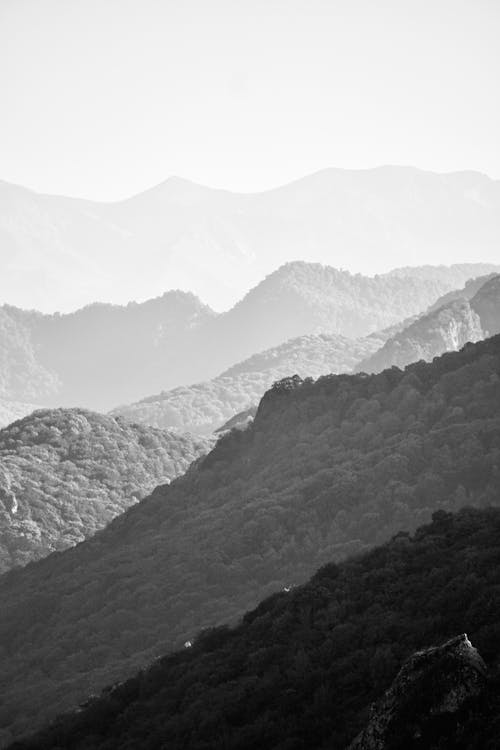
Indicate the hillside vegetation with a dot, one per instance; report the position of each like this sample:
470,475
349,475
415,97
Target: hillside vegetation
96,357
302,669
204,407
325,470
444,328
65,473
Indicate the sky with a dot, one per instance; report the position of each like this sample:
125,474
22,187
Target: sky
105,98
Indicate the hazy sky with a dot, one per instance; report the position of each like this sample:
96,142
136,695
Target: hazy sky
104,98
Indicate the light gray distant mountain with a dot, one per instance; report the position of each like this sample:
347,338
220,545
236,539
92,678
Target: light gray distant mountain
62,253
447,328
105,355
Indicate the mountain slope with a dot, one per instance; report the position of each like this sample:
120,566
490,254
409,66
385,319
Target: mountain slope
104,355
472,286
325,469
302,669
61,253
301,298
446,328
204,407
65,473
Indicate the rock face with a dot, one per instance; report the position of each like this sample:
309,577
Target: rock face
486,304
446,328
423,704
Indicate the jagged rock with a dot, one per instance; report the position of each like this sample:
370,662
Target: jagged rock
486,303
423,704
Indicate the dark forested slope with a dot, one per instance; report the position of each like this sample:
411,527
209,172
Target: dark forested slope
301,670
64,473
326,469
445,328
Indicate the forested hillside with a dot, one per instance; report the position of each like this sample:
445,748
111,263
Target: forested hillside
445,328
325,470
302,669
204,407
105,355
65,473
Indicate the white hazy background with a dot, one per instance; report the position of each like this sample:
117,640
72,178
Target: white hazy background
104,98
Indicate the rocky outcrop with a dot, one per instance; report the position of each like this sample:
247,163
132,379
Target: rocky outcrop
424,704
486,304
446,328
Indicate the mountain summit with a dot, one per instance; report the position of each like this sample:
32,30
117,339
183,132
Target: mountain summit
62,253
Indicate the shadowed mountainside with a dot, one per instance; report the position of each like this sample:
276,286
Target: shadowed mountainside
325,469
301,671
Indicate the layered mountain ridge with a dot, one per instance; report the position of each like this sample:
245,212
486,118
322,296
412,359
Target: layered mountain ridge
63,253
326,469
470,315
96,357
205,407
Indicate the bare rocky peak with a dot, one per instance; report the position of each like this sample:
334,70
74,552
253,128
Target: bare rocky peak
430,690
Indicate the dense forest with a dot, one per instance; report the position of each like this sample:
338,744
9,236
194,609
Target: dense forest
204,407
446,327
105,355
301,670
64,473
326,469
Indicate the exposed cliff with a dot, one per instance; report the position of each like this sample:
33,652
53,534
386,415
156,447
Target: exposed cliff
422,708
446,328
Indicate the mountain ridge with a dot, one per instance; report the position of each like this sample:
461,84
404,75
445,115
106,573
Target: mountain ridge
327,469
94,357
470,314
64,252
